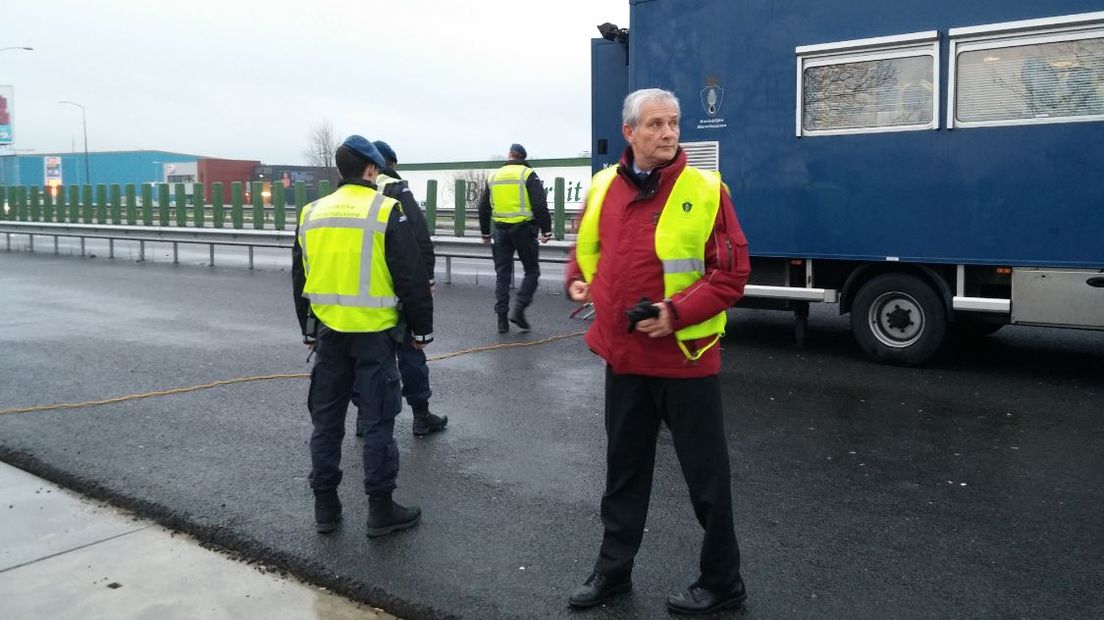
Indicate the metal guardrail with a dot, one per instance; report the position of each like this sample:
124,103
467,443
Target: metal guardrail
474,248
447,247
154,234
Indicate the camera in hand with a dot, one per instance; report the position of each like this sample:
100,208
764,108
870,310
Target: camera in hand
641,311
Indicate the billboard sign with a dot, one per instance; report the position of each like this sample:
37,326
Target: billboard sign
52,167
7,94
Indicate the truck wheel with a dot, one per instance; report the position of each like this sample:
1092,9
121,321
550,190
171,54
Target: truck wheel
898,319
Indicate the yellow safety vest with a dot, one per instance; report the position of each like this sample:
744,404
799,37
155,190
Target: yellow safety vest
382,181
509,198
681,235
342,237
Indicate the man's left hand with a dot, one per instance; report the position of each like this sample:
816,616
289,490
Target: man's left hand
545,237
657,327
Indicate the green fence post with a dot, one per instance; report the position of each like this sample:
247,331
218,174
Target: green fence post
559,212
300,200
323,188
258,204
162,204
116,192
86,204
279,206
217,214
101,203
36,204
199,206
20,207
47,204
460,212
74,203
431,206
59,204
147,204
236,204
131,204
181,200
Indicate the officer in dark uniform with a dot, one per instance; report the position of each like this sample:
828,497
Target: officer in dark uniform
412,360
357,264
514,198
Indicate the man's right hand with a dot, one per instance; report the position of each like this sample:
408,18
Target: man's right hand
579,291
309,341
486,239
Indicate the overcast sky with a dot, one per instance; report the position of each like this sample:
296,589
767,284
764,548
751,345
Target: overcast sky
439,80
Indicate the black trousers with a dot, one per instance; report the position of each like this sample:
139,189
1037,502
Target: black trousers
691,408
364,362
520,238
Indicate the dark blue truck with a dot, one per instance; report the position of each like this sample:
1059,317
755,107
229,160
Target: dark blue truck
936,168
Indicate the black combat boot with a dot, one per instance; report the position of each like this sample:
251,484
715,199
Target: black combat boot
425,423
327,510
518,318
503,324
385,516
699,601
597,589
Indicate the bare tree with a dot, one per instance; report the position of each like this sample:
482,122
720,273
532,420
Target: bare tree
322,145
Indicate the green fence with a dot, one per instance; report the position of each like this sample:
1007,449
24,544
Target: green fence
165,204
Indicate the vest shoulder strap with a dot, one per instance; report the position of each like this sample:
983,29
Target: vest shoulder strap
711,178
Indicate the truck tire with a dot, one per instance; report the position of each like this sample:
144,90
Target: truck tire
898,319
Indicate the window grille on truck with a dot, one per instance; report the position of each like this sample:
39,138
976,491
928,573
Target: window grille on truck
703,155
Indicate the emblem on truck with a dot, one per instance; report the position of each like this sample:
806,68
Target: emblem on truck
712,96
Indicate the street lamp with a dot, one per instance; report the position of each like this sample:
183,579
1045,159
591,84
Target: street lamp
16,47
84,123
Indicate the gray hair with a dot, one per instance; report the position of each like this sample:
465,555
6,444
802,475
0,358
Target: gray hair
630,113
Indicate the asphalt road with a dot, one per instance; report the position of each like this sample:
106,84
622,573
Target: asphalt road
966,489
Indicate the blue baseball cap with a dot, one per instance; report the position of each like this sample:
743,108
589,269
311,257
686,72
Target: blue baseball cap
519,149
386,150
362,147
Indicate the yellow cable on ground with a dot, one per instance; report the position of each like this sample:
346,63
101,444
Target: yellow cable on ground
300,375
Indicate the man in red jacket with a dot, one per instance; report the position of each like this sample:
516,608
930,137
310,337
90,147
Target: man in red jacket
656,229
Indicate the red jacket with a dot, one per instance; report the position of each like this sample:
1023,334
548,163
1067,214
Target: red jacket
628,269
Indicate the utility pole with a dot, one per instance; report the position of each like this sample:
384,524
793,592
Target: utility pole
84,124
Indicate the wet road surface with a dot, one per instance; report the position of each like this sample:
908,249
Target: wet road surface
966,489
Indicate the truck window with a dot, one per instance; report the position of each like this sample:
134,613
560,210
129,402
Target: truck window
1029,78
870,85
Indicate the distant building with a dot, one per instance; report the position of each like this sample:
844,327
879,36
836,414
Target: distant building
126,167
288,176
105,167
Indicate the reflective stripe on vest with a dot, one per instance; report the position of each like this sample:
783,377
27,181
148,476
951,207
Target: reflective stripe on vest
684,227
509,198
342,237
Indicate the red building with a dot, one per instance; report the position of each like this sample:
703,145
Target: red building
225,171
